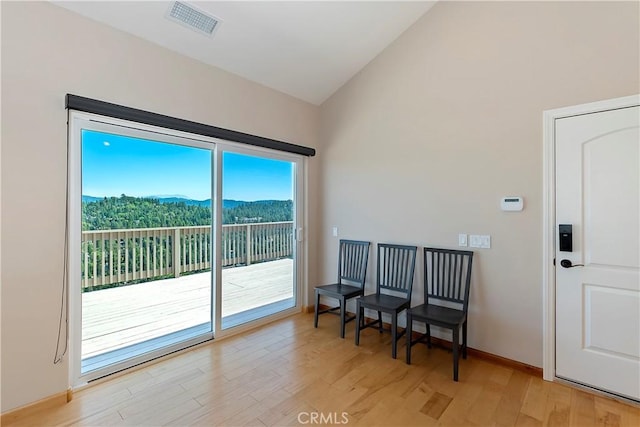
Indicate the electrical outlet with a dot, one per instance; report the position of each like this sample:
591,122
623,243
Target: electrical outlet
335,231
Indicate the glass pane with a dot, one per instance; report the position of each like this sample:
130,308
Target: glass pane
146,246
257,243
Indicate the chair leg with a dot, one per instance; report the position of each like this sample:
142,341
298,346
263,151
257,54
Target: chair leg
315,319
380,322
455,344
464,340
359,315
428,335
394,335
342,317
409,333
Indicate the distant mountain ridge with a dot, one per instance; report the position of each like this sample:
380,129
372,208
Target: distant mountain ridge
226,203
168,199
188,202
90,199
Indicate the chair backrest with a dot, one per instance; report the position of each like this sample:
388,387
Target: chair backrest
396,264
447,275
352,262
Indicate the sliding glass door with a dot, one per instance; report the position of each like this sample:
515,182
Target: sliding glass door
174,237
258,241
145,245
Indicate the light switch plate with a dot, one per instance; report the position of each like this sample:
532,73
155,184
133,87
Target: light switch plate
462,240
334,231
480,241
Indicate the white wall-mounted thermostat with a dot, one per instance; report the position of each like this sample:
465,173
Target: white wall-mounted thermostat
512,203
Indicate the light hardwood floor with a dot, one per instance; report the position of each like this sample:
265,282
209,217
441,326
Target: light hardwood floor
281,373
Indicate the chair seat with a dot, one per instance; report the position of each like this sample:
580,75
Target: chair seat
383,302
337,289
437,315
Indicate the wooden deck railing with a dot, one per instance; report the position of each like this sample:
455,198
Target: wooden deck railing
120,256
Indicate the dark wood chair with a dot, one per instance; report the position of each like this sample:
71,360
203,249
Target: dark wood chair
447,279
353,257
396,264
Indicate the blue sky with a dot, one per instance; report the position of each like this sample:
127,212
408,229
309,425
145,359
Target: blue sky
113,165
252,178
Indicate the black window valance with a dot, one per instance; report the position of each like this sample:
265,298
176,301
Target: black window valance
89,105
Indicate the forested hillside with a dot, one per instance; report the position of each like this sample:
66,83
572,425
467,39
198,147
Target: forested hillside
124,212
261,211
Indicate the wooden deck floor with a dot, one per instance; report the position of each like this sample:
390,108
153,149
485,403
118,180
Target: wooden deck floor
119,317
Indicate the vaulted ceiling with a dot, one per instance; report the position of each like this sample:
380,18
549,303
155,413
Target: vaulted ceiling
307,49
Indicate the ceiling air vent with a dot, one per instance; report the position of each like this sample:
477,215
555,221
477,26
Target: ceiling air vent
193,18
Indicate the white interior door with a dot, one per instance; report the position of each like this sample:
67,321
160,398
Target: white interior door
598,299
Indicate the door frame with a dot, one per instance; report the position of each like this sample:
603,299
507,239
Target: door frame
548,218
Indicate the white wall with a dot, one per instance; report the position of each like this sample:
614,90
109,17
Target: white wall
47,52
423,142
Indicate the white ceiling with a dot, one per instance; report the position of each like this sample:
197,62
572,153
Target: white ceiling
307,49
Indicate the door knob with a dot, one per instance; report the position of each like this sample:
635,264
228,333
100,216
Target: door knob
566,263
